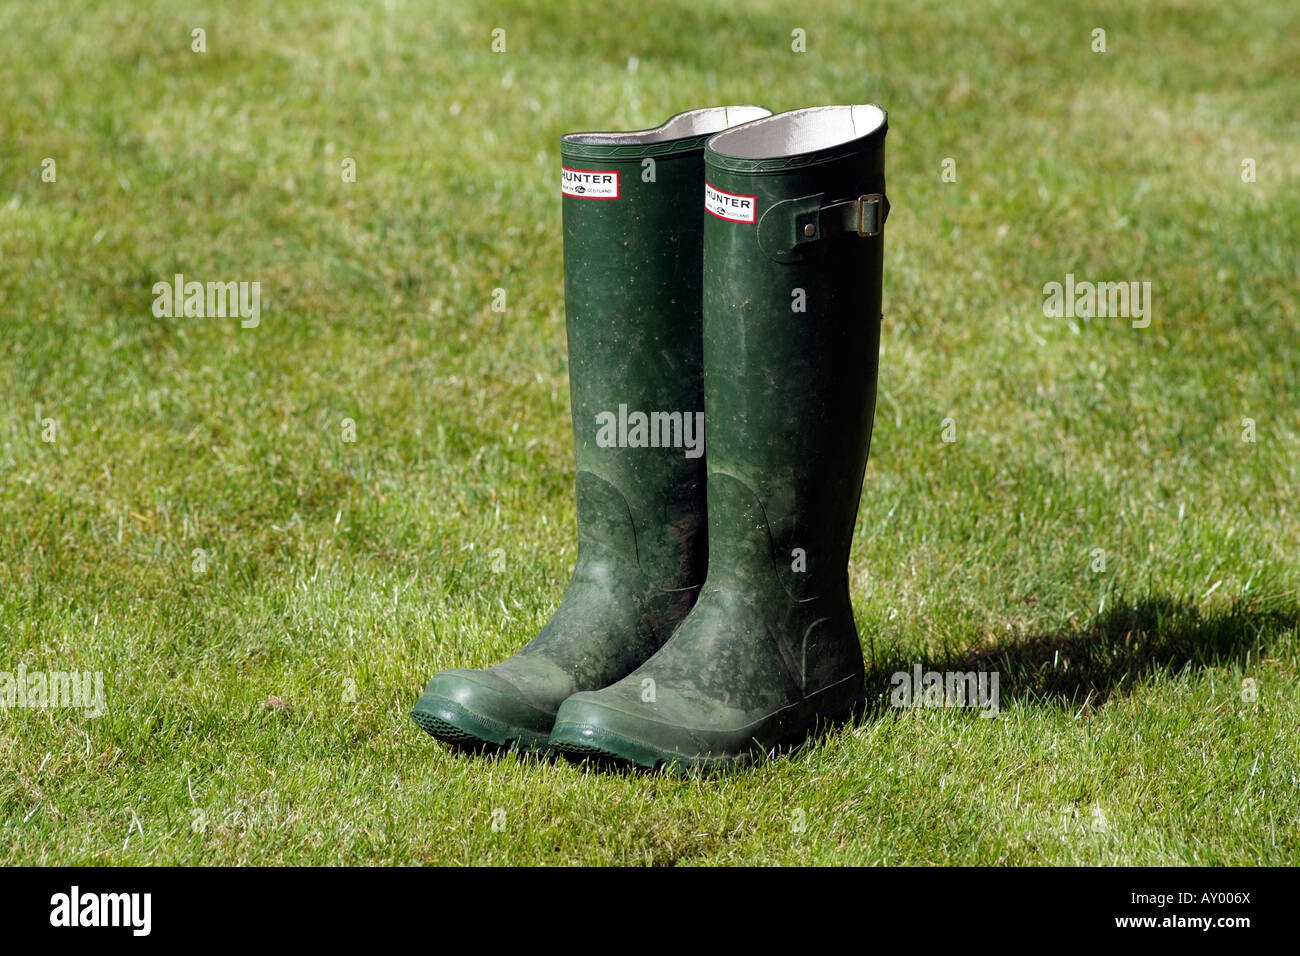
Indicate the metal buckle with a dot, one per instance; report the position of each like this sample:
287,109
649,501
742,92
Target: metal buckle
876,201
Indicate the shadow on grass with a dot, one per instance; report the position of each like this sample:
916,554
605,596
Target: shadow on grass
1125,645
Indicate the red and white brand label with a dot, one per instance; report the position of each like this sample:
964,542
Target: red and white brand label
589,183
729,206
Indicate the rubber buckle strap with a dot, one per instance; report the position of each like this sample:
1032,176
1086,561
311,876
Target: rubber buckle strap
789,228
864,216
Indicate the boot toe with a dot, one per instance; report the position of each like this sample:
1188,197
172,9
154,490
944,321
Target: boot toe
478,709
601,725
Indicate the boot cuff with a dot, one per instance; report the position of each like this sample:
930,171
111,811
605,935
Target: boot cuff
798,138
682,133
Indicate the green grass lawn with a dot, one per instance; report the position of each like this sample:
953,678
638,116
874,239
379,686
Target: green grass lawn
265,599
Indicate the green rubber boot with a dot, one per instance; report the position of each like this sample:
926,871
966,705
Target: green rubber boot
792,276
632,276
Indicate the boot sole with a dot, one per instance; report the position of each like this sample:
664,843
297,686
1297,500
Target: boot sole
465,730
590,742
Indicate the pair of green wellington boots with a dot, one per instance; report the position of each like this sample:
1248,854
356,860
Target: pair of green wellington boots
708,619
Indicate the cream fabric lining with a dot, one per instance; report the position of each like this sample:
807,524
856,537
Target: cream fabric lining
799,131
692,123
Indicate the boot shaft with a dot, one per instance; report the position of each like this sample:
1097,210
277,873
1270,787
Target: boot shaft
632,277
791,326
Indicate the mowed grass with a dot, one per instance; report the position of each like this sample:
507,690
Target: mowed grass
1098,532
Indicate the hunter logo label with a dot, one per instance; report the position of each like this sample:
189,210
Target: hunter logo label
589,183
729,206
